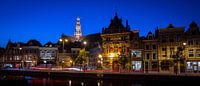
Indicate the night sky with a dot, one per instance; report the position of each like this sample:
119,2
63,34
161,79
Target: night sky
46,20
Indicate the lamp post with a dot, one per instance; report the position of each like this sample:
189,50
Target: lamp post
179,57
111,59
45,62
20,52
71,62
100,61
63,40
63,63
85,43
63,43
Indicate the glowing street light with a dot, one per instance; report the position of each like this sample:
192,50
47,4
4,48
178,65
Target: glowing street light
112,55
84,42
63,42
45,62
63,63
71,62
184,43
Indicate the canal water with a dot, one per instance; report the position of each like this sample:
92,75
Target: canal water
41,81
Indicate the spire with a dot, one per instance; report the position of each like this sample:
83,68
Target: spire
126,23
9,44
78,33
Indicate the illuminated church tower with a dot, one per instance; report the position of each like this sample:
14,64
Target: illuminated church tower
78,33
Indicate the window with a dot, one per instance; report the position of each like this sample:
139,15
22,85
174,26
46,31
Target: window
171,52
154,46
154,55
189,65
147,56
147,47
164,53
199,66
137,65
154,66
191,53
197,52
136,53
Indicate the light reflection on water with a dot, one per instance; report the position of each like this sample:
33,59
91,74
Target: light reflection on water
78,82
36,81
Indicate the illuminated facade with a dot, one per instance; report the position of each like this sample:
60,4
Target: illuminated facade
150,60
22,54
136,52
169,39
78,33
115,42
48,54
192,49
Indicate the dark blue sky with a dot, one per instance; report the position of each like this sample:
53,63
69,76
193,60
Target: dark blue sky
46,20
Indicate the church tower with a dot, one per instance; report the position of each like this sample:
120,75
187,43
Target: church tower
78,33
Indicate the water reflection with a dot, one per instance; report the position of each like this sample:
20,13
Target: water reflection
70,82
36,81
82,84
79,82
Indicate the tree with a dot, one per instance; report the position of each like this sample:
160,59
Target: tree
123,60
82,58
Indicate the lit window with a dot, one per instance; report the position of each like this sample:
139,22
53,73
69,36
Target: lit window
136,53
191,53
189,65
197,52
171,52
164,53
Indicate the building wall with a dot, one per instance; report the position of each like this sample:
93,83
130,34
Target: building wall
48,54
113,45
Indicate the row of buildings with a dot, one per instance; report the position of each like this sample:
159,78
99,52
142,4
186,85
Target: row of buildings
170,49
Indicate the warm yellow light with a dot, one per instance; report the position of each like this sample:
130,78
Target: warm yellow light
70,61
100,56
99,61
84,42
61,40
111,55
66,40
184,43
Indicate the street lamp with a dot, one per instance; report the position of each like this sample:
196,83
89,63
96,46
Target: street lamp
45,63
84,42
63,63
71,62
179,57
20,52
84,65
111,59
100,60
63,42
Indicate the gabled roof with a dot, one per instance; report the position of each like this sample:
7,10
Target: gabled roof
116,26
33,42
